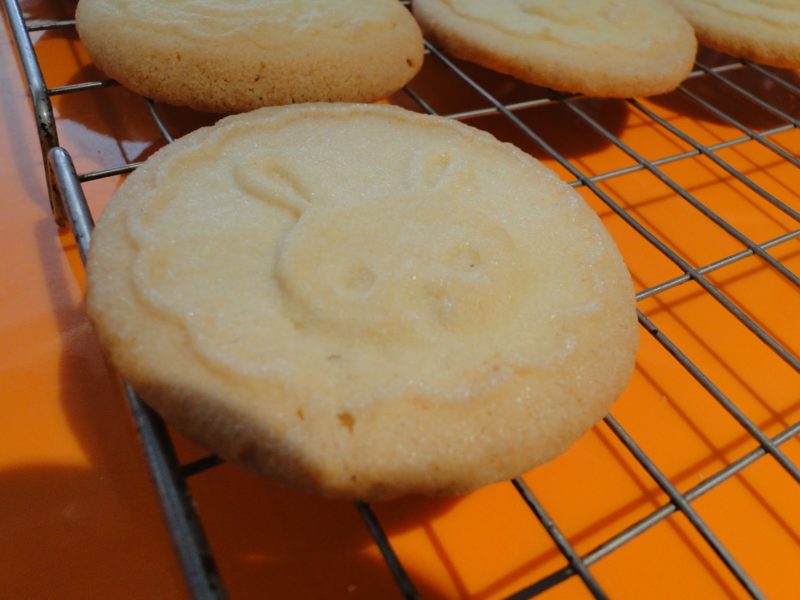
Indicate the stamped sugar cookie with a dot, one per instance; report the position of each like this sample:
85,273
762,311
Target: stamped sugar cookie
362,301
615,48
766,31
224,56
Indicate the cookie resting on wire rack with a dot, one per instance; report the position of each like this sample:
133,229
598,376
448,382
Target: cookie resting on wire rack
361,301
766,31
616,48
223,56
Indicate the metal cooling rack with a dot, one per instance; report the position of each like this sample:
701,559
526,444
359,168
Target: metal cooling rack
70,209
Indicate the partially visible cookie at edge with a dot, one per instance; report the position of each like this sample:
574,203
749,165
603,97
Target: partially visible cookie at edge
766,31
613,48
232,57
359,318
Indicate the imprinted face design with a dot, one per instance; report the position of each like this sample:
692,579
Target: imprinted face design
267,248
415,263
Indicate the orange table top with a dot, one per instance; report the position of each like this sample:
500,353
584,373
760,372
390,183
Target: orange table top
78,514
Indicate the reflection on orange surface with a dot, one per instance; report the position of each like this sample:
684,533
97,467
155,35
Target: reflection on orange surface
78,516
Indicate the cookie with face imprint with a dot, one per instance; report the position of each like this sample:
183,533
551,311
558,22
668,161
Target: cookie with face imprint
762,30
615,48
358,318
223,56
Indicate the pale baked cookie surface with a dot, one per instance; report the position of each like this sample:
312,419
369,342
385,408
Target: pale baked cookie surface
237,55
766,31
614,48
362,301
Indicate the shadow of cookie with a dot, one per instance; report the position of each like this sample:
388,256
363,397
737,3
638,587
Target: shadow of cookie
714,97
539,108
267,537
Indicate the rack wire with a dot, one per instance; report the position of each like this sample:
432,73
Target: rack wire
70,209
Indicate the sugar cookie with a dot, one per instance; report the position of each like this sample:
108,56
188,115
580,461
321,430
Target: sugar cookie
615,48
235,56
362,301
765,31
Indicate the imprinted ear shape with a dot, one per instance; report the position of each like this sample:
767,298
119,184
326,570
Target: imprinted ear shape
267,179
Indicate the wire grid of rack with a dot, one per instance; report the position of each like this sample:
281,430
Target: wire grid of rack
70,209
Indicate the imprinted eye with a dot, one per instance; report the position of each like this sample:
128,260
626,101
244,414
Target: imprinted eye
359,279
465,258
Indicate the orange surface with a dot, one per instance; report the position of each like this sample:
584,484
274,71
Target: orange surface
78,516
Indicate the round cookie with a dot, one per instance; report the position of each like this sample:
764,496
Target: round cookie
361,318
223,56
614,48
765,31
